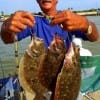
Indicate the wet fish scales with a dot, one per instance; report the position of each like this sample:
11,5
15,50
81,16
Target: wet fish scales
28,69
69,79
51,62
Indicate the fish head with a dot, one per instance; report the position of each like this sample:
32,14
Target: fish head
57,45
37,46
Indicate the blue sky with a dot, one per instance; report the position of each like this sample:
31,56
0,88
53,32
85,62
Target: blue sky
10,6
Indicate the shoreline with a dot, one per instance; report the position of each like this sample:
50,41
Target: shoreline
82,14
89,13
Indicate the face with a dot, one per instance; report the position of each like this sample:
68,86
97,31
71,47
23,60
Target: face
47,4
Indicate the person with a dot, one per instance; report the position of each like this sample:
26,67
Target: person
64,23
21,22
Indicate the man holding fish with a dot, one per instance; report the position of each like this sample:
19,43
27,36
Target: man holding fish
72,24
65,24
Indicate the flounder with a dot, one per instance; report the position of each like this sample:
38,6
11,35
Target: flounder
69,79
55,69
51,61
28,69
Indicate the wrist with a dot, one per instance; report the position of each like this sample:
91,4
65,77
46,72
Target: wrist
89,30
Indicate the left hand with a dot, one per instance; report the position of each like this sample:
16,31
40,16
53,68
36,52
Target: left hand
70,21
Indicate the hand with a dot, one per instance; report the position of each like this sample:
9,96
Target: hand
19,21
70,21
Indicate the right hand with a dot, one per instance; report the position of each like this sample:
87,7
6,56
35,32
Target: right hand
19,21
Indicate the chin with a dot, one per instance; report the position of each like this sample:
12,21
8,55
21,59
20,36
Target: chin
46,7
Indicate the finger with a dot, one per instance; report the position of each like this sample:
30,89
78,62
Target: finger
27,21
17,27
28,16
58,20
61,14
68,28
24,17
20,26
14,29
14,25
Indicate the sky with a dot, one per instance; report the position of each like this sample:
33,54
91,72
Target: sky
10,6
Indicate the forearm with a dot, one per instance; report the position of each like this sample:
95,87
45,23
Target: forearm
72,22
15,24
6,36
94,35
88,28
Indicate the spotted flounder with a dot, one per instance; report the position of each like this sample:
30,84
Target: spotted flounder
28,69
51,61
55,69
69,79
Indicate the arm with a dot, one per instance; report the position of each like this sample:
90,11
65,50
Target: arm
15,24
72,22
94,35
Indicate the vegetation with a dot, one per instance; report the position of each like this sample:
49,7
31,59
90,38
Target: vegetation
90,10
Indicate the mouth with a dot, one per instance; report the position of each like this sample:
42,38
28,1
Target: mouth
43,1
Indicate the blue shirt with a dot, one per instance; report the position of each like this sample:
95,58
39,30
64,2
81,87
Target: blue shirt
44,30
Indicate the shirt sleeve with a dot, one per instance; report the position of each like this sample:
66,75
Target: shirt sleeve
23,34
80,34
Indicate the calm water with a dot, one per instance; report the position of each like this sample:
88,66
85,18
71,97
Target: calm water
7,56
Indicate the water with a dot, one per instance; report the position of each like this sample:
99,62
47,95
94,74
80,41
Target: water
7,55
93,46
